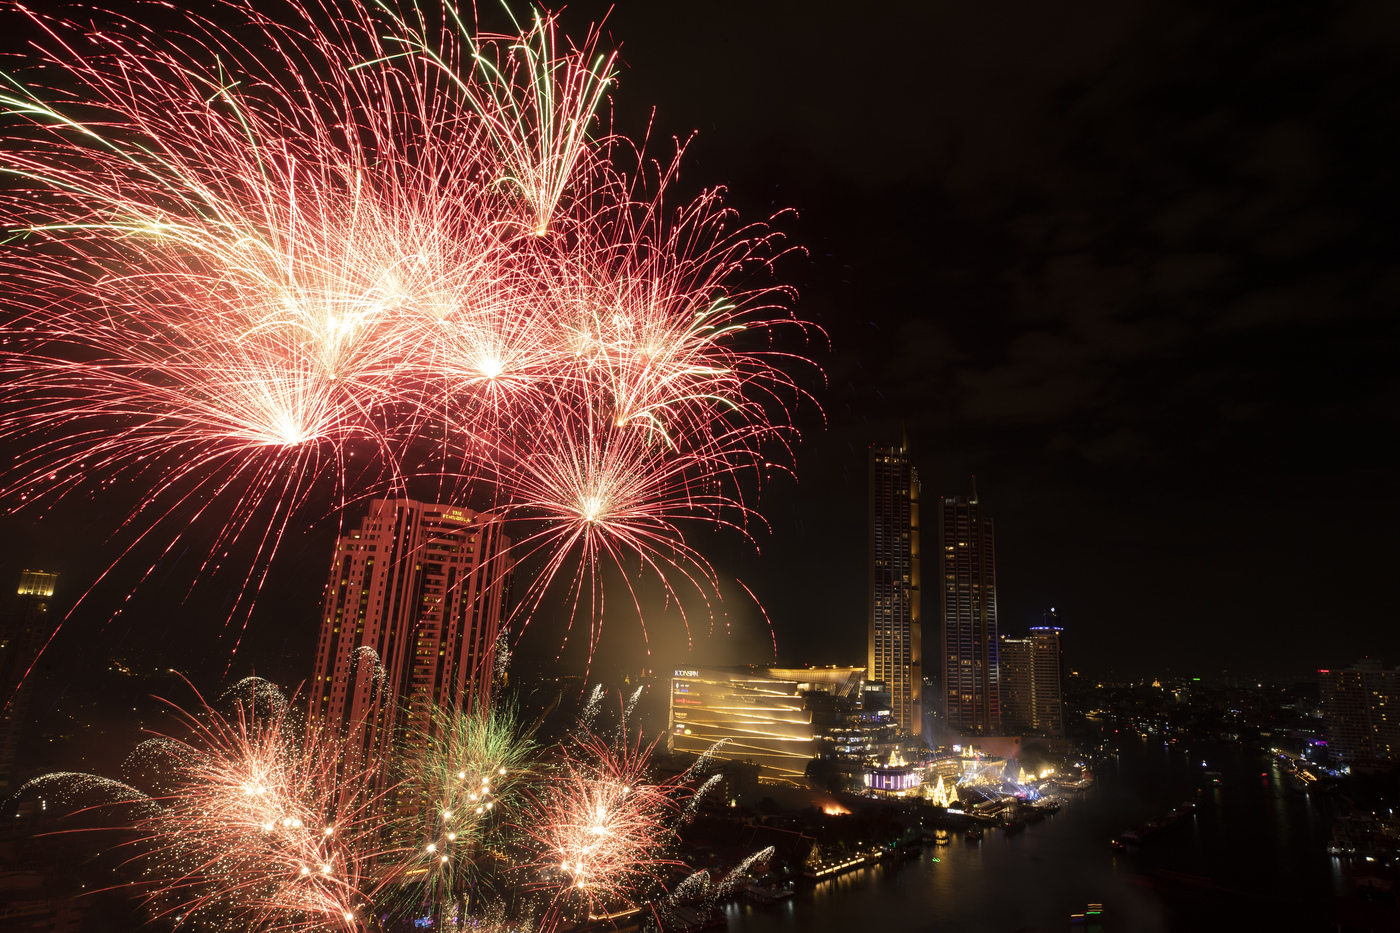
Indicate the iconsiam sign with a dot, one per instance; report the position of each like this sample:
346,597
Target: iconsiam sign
260,268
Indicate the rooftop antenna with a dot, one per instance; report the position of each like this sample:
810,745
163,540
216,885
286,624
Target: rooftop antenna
974,488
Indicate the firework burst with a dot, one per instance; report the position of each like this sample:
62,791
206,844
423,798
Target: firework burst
258,278
213,280
599,825
460,783
257,827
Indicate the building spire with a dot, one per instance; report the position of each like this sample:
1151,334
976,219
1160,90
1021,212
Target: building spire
974,487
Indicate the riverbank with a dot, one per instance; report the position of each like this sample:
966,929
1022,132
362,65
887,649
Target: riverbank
1250,856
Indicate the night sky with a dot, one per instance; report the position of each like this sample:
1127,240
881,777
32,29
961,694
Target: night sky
1134,265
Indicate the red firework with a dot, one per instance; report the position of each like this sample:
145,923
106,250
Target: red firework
259,278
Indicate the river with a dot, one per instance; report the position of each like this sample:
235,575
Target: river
1252,857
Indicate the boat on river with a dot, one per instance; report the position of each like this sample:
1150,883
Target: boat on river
1152,828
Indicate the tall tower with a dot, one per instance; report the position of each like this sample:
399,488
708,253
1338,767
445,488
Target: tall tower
1016,663
1358,714
24,627
895,635
424,587
1048,660
968,606
1030,670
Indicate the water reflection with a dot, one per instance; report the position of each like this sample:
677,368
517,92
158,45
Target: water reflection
1252,855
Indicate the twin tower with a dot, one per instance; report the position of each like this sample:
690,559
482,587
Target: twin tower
957,582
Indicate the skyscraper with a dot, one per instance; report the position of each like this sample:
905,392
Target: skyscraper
422,586
1361,714
1047,653
24,627
1016,658
895,634
968,610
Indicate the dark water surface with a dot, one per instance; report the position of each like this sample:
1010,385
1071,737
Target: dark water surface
1252,857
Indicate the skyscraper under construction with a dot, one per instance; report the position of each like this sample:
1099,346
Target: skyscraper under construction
895,631
411,614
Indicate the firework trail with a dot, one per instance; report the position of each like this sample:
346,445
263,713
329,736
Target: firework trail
692,806
631,705
700,887
91,790
591,707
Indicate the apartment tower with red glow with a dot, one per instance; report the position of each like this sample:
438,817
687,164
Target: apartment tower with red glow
412,610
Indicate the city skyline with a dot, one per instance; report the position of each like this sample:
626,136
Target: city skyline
645,466
1184,392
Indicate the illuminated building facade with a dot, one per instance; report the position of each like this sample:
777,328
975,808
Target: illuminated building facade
25,624
762,716
895,633
968,610
893,779
1361,714
423,586
867,733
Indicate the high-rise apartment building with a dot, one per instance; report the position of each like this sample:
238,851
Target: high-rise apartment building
895,631
1016,657
411,614
967,577
1047,686
1361,714
25,625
